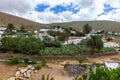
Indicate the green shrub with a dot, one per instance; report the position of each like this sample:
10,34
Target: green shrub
101,74
44,62
33,62
46,78
23,65
7,43
26,60
81,58
70,50
14,60
38,66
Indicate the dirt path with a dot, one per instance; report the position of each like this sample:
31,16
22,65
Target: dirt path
101,59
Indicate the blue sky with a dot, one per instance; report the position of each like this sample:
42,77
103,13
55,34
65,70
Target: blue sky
50,11
107,9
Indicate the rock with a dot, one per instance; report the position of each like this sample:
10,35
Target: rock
21,78
74,69
17,74
36,71
25,75
12,78
29,67
33,68
23,70
29,73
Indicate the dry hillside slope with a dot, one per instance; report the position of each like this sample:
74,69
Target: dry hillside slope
18,21
78,25
97,25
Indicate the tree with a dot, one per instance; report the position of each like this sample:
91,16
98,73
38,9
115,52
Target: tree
22,28
7,43
87,29
95,42
10,28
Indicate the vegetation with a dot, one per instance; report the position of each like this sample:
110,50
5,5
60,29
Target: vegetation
81,58
109,39
14,60
87,29
95,42
64,50
46,78
101,74
23,45
38,66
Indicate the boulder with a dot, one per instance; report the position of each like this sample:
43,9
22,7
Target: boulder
17,74
29,67
29,73
23,70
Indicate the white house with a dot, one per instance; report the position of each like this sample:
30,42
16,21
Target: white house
111,44
111,65
2,30
74,40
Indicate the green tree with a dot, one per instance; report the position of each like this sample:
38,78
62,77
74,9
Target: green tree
95,42
10,28
7,43
22,28
87,29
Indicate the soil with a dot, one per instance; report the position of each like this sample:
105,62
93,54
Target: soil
7,71
56,69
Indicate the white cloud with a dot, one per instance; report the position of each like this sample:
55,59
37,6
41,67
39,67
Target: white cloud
89,10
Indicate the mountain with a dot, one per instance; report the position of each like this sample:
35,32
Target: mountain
97,25
78,25
18,21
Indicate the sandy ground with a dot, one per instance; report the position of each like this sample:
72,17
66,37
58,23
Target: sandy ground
7,71
56,69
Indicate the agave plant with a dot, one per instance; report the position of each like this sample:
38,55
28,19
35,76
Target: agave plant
46,78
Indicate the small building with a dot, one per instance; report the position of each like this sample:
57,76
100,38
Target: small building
74,40
111,44
111,65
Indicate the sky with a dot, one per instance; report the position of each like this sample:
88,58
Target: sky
51,11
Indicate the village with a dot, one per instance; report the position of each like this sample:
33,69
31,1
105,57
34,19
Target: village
58,37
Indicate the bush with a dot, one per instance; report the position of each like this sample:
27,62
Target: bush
23,65
81,58
26,60
29,46
70,50
7,43
44,62
14,60
46,78
33,62
101,73
38,66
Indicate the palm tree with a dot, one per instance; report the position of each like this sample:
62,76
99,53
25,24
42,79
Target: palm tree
95,42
